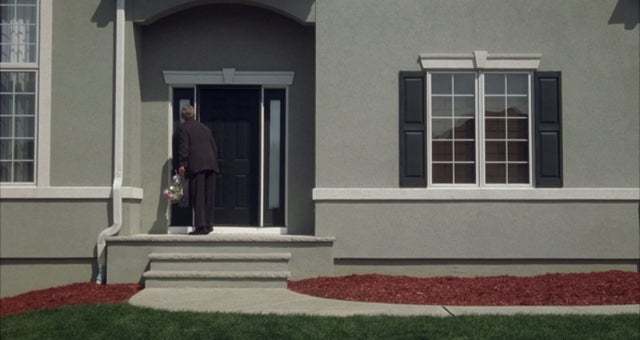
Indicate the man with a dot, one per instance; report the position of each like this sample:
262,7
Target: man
197,159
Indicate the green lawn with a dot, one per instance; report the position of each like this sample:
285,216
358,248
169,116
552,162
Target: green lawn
127,322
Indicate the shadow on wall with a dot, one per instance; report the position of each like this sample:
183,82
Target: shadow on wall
160,224
626,12
105,13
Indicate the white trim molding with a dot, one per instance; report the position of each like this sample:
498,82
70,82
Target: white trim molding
44,95
476,194
480,60
229,76
34,192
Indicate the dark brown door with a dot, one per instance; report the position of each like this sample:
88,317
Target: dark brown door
232,114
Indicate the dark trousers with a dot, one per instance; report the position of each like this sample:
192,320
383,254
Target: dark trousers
202,190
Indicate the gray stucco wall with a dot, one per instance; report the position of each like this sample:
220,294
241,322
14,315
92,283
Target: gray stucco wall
210,38
361,48
82,93
359,52
481,230
53,242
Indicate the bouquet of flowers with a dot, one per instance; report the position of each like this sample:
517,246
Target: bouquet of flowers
175,191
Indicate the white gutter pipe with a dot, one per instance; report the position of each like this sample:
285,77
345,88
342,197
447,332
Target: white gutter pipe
118,142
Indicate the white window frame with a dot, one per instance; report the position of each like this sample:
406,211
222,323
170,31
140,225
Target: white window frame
480,159
42,104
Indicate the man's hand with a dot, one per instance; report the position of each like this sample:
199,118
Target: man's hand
182,170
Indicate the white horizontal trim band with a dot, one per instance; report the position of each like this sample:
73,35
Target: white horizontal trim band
476,194
480,60
228,76
33,192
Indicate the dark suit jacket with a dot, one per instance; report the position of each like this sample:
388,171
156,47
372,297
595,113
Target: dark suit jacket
197,149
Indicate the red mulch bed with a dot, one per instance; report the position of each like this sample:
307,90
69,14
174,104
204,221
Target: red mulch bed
612,287
73,294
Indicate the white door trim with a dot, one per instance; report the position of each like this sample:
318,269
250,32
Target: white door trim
228,76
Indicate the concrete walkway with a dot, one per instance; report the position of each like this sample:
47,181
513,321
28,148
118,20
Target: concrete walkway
284,301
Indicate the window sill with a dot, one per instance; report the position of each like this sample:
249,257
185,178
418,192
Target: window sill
476,194
34,192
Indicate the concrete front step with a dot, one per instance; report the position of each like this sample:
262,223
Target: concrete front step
215,279
219,262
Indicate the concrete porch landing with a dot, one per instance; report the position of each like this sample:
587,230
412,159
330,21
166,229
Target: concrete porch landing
283,301
217,260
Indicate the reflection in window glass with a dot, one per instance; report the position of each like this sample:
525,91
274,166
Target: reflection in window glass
17,126
453,125
19,31
506,128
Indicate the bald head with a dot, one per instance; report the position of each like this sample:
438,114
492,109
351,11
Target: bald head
188,113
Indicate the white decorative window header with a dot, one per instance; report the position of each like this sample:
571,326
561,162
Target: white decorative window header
228,76
480,60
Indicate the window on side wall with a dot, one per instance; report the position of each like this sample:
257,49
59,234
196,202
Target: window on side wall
18,90
480,128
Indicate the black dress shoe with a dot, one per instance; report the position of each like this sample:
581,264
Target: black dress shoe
199,231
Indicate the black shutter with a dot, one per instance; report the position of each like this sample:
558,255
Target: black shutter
548,137
412,129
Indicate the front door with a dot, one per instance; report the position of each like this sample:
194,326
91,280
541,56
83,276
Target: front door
233,116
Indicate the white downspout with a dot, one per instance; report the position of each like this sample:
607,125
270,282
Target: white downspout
118,142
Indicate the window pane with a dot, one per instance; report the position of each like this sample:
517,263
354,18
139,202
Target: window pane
26,14
495,151
441,128
5,149
6,32
465,151
465,106
465,128
5,171
441,106
5,53
442,173
441,83
494,83
518,151
494,128
24,127
23,149
6,127
6,104
6,81
518,173
442,151
517,84
25,104
27,2
495,173
7,14
518,128
23,171
465,173
518,106
494,106
25,81
464,83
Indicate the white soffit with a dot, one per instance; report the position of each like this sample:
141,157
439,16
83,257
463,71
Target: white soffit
480,60
228,76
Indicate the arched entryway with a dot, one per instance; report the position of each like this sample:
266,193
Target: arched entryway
233,61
